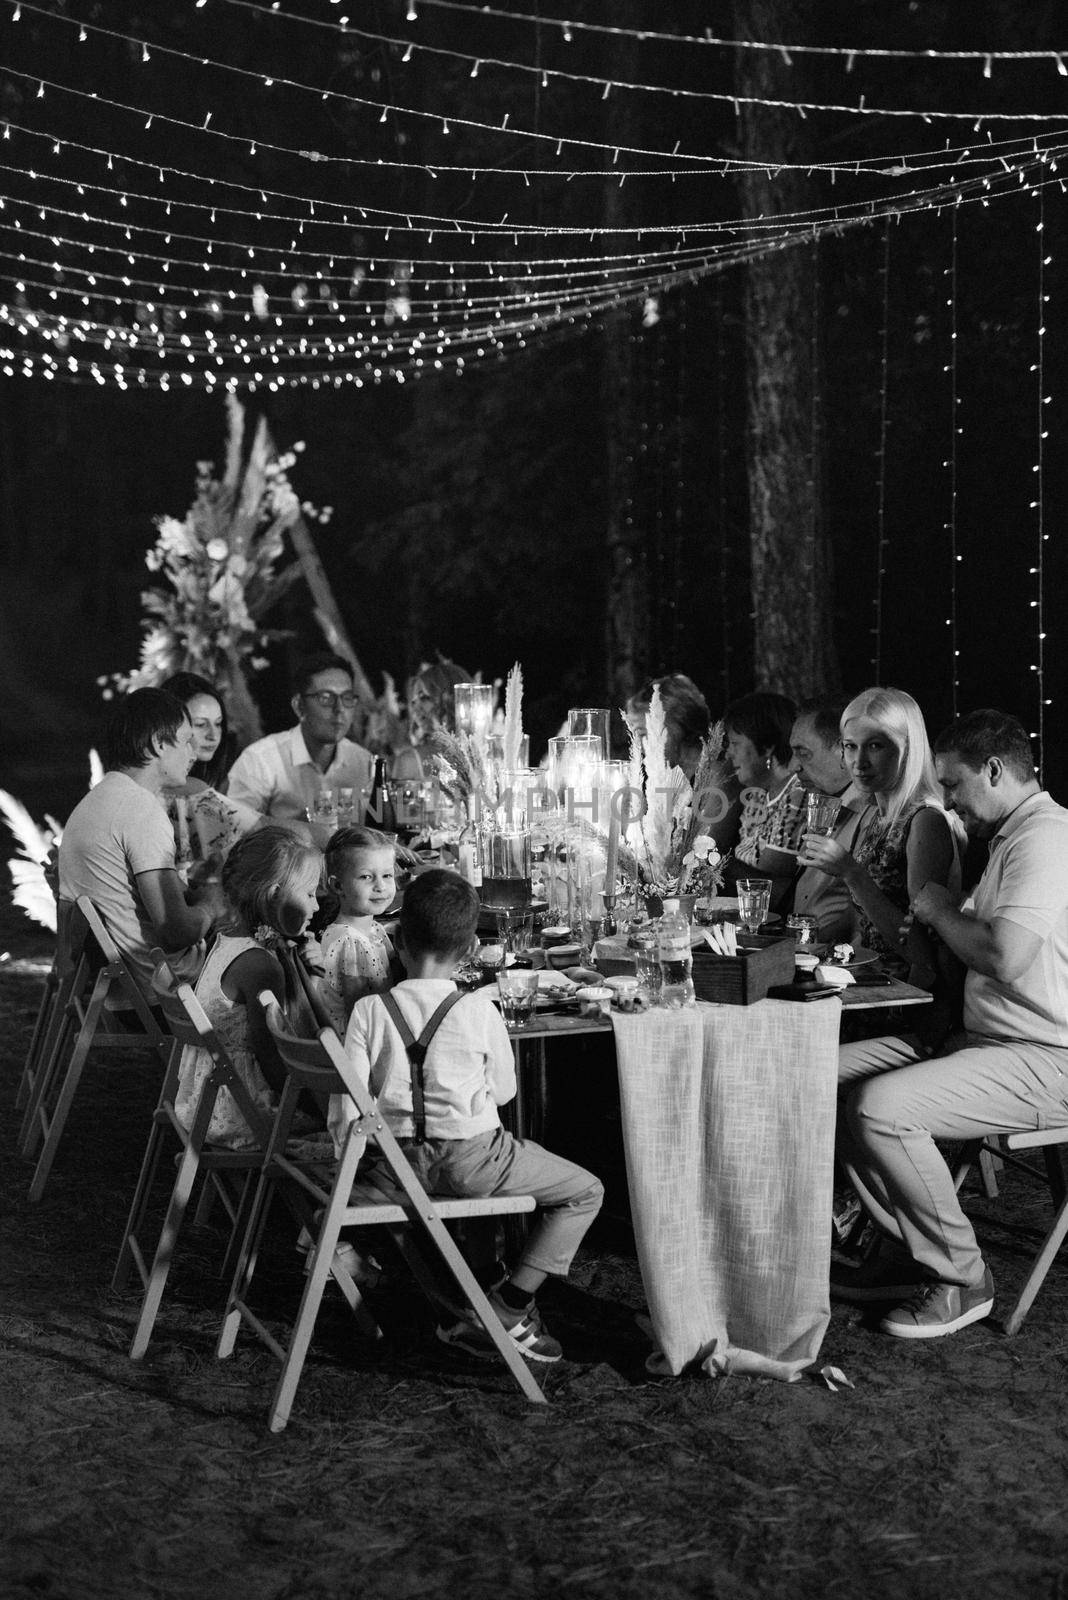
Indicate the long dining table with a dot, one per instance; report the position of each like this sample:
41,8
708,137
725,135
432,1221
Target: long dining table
728,1117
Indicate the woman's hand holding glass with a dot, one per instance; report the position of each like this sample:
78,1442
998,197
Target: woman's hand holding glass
826,854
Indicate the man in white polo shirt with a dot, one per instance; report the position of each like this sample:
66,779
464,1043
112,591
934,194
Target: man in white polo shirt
1009,1068
282,775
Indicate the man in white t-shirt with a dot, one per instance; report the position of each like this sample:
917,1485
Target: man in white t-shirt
118,844
282,775
1008,1070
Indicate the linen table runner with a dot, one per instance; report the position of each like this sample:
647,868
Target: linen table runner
728,1129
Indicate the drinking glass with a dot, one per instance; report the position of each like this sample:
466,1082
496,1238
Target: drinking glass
505,868
803,929
587,722
518,991
647,961
754,896
346,813
515,930
821,812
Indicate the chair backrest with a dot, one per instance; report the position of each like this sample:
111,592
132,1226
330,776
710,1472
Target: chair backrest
102,948
189,1024
305,1059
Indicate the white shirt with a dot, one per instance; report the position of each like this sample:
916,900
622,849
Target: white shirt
469,1069
278,778
1026,882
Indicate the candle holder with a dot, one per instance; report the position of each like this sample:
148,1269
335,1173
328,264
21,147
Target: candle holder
474,703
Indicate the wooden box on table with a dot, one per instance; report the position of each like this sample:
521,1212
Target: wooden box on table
741,980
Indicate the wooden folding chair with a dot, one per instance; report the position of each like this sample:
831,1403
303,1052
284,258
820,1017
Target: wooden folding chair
1051,1141
53,1005
188,1024
93,981
326,1204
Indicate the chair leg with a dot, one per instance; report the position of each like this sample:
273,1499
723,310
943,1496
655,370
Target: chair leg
161,1261
245,1267
41,1029
139,1204
304,1327
1042,1263
989,1165
61,1111
1052,1154
34,1118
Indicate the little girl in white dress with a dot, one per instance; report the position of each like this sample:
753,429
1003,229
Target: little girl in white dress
358,957
270,880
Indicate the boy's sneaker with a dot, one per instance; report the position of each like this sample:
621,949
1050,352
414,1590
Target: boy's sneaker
524,1328
941,1308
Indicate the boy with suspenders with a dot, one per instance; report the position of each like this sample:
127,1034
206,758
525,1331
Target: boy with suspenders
444,1063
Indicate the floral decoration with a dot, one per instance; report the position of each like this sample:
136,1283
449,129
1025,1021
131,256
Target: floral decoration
219,570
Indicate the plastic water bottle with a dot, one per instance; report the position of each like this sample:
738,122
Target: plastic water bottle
676,959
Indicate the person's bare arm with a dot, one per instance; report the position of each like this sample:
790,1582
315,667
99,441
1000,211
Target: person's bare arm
177,920
929,851
998,949
251,972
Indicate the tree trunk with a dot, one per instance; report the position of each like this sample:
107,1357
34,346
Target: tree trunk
627,601
793,640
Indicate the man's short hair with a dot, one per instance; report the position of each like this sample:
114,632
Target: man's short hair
980,735
137,722
825,716
440,913
311,666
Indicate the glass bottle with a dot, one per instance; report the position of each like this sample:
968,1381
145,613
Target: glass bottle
676,959
381,812
469,848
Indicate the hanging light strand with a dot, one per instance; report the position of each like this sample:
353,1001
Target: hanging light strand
1038,571
950,464
881,544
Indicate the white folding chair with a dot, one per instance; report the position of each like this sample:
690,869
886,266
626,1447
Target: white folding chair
324,1204
188,1025
1005,1148
94,980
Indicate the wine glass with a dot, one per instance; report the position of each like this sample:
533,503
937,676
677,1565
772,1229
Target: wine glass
754,897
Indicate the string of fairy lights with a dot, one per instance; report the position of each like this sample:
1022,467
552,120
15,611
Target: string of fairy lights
1037,505
447,207
950,464
881,539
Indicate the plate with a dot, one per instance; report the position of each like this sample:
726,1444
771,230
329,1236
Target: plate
861,956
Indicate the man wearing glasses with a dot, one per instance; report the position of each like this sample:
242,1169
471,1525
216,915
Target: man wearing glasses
282,775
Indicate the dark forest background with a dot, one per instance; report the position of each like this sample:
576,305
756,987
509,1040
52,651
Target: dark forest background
582,504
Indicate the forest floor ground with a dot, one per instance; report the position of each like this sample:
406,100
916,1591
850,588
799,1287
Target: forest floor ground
408,1471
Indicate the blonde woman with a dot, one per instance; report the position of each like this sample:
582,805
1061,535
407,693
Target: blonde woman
911,839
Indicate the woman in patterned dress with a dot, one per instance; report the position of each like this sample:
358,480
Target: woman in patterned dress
911,839
773,799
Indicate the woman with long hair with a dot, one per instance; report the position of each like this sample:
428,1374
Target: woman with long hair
911,839
207,823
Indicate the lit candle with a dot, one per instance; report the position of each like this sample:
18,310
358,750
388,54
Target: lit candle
613,848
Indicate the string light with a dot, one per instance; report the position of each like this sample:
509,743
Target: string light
1038,571
880,511
950,464
707,40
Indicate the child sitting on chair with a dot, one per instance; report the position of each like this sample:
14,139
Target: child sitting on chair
357,955
269,879
445,1114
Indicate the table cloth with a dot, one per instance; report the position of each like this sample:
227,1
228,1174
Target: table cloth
728,1130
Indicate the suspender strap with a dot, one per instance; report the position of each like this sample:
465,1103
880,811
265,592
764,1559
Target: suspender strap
417,1049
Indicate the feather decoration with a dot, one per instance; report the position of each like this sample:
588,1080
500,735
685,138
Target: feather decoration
513,718
710,785
32,892
667,816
